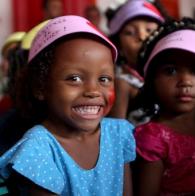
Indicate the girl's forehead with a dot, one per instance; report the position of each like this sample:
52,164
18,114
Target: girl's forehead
140,22
179,59
177,55
181,39
82,51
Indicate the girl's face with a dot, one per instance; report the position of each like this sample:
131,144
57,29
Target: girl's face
132,36
175,82
80,89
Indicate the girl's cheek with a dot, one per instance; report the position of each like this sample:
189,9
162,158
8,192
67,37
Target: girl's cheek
111,99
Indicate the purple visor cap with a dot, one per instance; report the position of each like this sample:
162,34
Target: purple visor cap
62,26
132,9
182,40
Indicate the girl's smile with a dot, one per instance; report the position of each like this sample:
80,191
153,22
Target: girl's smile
89,112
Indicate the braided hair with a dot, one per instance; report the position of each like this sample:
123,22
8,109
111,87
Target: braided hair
147,98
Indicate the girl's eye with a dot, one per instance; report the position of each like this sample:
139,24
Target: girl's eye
106,79
169,70
74,78
129,32
149,30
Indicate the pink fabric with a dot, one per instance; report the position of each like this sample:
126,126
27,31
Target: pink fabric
182,39
63,26
156,141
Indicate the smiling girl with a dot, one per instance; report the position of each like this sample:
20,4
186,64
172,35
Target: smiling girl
69,88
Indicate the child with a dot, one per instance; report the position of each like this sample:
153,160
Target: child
52,8
12,42
166,144
70,88
93,14
132,23
11,119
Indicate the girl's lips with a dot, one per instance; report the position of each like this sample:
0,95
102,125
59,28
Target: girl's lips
89,111
185,98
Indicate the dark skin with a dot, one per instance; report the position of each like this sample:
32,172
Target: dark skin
54,8
76,87
177,110
125,93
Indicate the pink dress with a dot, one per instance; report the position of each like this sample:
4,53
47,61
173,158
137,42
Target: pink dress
156,141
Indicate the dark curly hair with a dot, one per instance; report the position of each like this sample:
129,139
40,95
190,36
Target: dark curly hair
33,78
147,96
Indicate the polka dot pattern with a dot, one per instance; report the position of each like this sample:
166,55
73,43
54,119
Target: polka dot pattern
40,157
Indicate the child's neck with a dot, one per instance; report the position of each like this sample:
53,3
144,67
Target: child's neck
82,147
64,132
183,123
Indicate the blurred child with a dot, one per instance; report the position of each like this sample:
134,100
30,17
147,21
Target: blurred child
129,26
166,144
69,88
92,13
11,42
12,119
52,9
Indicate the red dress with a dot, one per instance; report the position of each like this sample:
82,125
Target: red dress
156,141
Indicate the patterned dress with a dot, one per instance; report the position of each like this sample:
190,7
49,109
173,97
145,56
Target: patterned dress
39,157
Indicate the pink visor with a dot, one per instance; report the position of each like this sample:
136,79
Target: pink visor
132,9
182,39
62,26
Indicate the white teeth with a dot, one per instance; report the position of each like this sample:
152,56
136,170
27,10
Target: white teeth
87,109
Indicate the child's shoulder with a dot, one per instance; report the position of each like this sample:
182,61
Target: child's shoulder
34,157
119,132
149,126
36,131
154,131
117,128
116,122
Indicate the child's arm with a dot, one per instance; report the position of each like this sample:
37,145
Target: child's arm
36,190
124,92
128,190
29,187
149,178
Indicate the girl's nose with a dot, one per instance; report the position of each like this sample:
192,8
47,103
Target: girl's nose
142,35
92,90
185,79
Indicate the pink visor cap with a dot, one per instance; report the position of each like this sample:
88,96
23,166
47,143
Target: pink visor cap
182,39
62,26
132,9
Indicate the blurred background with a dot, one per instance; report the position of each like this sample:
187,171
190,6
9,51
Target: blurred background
22,15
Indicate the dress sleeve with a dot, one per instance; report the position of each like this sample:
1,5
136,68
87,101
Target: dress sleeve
35,162
129,149
150,142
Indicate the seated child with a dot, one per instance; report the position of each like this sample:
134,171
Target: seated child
68,86
166,145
